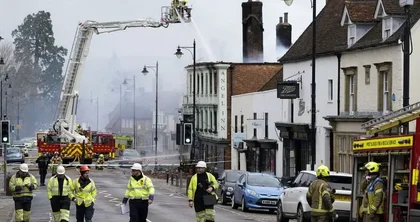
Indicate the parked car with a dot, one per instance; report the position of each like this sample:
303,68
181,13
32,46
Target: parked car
293,204
256,190
227,182
14,155
127,158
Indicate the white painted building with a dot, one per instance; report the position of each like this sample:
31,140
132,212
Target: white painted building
253,117
211,121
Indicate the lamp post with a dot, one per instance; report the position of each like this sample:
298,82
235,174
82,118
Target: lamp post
313,96
145,71
179,54
134,108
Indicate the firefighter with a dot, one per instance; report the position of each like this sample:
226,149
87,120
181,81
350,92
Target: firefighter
320,196
84,195
374,196
202,183
60,194
140,192
22,184
79,129
43,162
101,160
56,161
363,185
25,152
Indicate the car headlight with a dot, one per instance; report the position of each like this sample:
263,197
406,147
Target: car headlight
253,193
230,188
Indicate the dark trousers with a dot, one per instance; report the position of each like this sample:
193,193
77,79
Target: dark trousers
60,207
84,213
138,210
42,174
22,209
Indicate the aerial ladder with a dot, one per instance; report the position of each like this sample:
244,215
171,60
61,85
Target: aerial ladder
65,124
396,118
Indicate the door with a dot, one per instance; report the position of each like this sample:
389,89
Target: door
289,195
238,191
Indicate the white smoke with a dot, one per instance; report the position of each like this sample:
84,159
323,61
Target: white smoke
281,50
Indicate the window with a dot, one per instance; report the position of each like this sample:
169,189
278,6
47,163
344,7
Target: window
367,74
344,152
351,35
385,91
330,90
266,126
255,129
215,122
351,93
384,87
236,124
242,123
350,89
210,83
387,27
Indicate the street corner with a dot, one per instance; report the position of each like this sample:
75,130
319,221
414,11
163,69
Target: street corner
6,208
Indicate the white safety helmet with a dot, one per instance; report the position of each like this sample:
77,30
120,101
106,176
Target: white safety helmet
137,166
24,167
201,164
61,170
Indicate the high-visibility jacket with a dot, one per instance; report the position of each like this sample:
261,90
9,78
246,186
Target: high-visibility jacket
192,188
142,189
86,195
24,184
320,198
53,189
374,198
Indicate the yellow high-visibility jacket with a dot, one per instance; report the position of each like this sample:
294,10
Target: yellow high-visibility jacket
320,198
193,186
142,189
86,195
52,188
24,184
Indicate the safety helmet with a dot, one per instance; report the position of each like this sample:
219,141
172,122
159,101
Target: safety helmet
137,166
78,126
101,155
323,171
201,164
84,168
372,167
24,167
61,170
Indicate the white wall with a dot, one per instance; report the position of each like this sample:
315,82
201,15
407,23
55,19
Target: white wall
260,103
367,94
415,65
326,68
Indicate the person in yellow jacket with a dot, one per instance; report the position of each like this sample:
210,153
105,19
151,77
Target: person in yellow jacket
320,197
374,196
202,183
101,160
22,184
56,161
60,194
84,195
140,192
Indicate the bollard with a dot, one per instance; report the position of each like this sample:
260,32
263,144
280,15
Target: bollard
6,184
176,180
172,179
180,179
167,178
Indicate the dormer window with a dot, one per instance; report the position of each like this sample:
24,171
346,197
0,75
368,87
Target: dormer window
387,28
351,35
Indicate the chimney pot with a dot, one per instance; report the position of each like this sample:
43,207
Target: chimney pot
281,20
286,17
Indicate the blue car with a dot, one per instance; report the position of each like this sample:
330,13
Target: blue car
258,191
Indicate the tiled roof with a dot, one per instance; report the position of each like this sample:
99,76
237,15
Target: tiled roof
392,7
272,83
331,36
361,11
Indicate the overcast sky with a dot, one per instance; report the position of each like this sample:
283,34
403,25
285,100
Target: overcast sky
217,29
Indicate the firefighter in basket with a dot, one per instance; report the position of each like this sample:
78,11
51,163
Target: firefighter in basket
56,161
79,129
101,160
374,196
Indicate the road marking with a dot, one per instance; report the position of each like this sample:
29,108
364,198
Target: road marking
148,220
103,192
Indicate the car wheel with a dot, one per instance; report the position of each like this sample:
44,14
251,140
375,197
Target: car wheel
300,217
243,207
280,215
223,197
234,205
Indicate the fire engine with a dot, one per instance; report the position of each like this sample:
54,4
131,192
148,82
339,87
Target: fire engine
399,156
64,137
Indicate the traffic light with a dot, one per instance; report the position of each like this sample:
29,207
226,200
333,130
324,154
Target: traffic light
5,131
188,133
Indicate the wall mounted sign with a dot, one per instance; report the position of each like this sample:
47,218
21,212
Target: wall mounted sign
288,90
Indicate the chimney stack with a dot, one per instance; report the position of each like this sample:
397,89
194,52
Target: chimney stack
283,35
252,32
281,20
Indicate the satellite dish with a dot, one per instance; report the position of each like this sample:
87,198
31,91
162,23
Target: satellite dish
288,2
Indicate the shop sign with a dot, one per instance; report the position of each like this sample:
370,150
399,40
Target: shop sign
384,143
288,90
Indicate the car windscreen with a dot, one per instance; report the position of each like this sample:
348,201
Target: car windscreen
340,182
13,151
233,176
130,153
263,181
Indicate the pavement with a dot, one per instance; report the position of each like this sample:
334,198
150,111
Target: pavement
6,203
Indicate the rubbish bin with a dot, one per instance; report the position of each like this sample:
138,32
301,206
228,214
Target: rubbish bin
6,185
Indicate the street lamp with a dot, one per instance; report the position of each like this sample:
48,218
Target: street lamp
5,93
134,108
179,54
313,96
145,72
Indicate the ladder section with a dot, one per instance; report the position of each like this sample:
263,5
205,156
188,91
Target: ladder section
388,121
75,63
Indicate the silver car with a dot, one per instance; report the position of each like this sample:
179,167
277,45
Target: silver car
14,155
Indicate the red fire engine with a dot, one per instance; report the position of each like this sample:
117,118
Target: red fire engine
399,157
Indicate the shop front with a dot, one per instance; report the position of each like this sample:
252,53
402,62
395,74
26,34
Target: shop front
260,155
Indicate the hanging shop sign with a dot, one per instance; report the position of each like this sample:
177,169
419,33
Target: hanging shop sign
288,90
